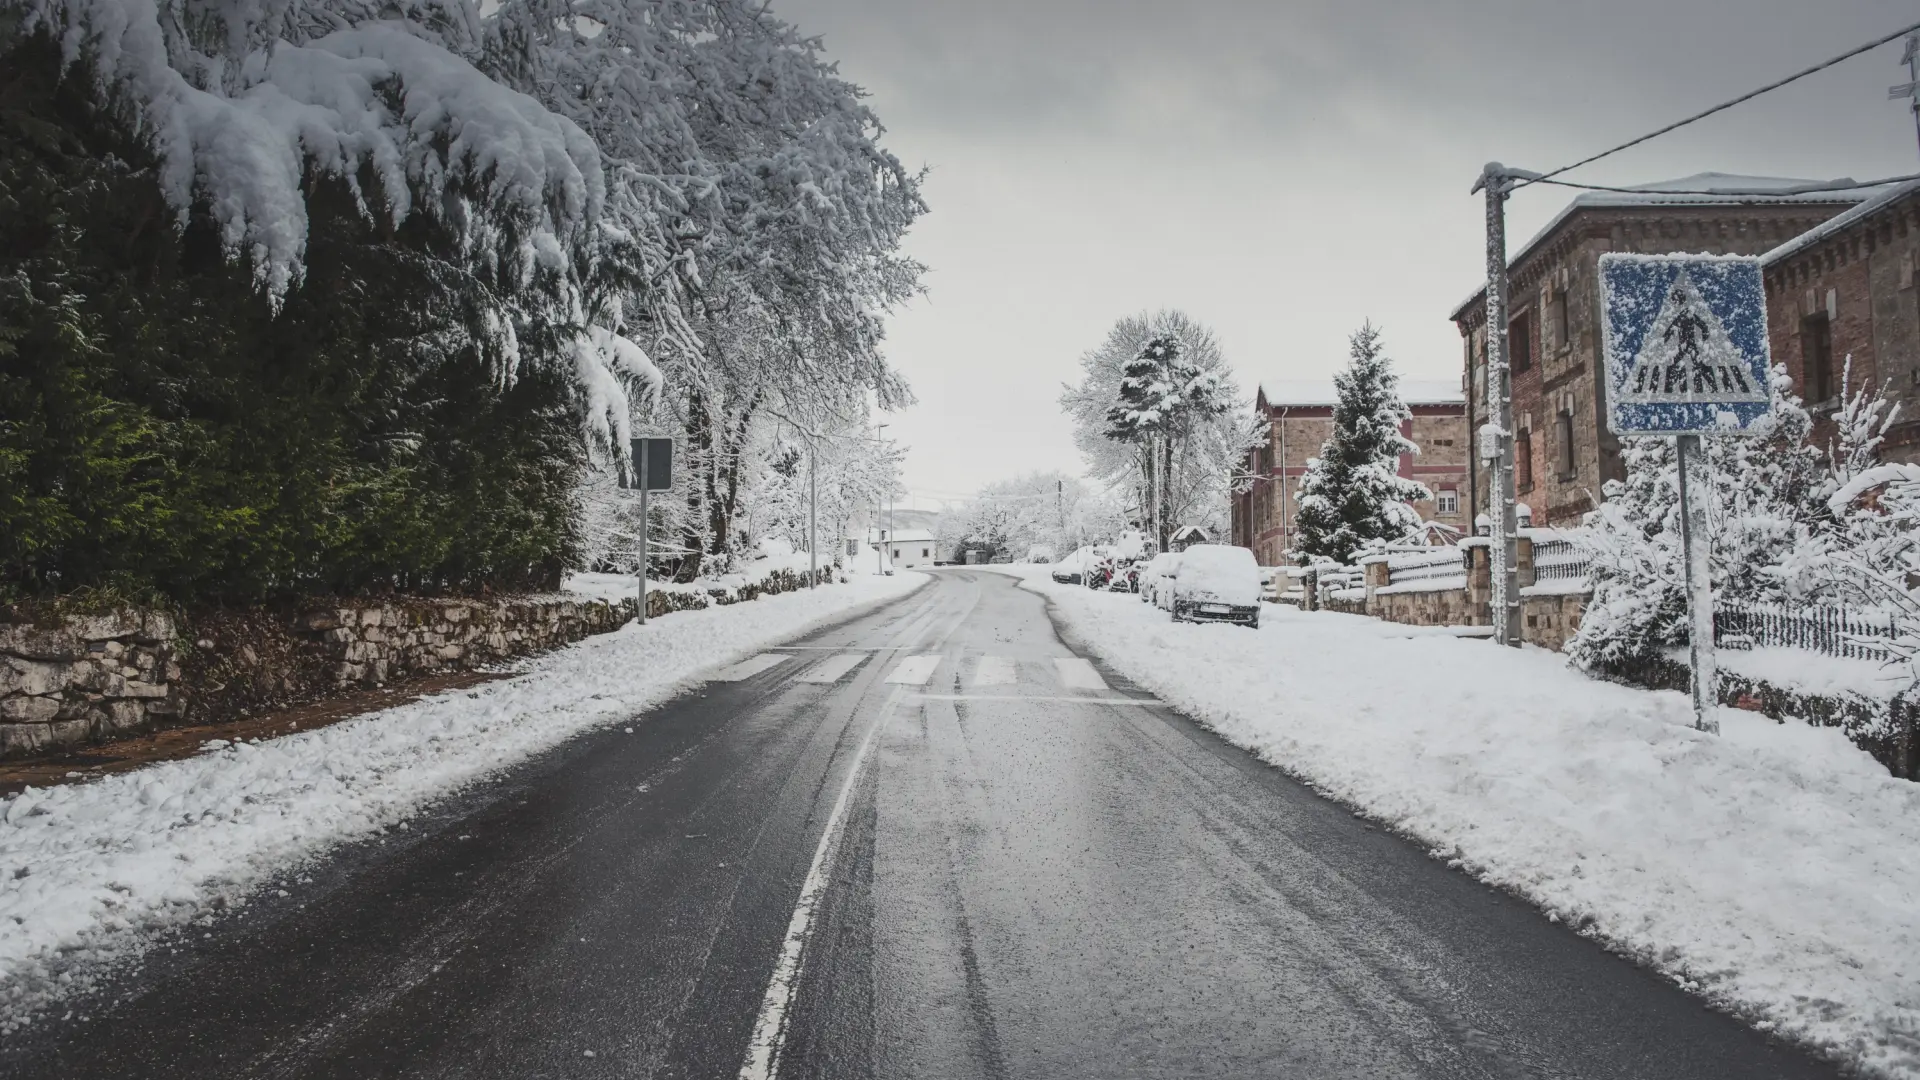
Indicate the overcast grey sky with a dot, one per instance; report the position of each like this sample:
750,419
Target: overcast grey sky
1283,170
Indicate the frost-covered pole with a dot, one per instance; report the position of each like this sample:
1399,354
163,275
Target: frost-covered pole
1698,547
1496,435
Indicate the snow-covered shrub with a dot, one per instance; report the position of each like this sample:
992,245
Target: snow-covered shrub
1763,492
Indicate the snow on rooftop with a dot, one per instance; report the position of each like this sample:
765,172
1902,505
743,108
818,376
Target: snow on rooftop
1882,198
1322,392
1700,189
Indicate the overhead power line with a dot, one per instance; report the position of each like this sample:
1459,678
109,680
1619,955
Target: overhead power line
1735,192
1722,107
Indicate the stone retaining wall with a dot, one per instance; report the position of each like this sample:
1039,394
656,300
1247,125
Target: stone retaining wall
83,679
1547,619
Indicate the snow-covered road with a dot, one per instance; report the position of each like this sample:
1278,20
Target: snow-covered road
1774,870
92,871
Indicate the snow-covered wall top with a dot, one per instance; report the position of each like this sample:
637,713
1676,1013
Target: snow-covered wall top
243,105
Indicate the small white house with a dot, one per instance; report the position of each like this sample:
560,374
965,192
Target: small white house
907,549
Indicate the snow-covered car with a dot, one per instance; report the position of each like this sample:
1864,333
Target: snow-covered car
1154,573
1072,570
1215,583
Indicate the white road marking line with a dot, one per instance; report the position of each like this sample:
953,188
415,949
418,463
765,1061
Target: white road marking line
1078,674
994,671
835,648
748,668
1039,697
832,668
770,1027
914,670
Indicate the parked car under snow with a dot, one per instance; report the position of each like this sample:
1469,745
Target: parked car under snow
1213,583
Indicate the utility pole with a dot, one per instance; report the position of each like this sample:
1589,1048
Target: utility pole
1911,88
1496,435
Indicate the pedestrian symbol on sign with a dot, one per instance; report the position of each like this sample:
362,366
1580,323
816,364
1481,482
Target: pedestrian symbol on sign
1688,355
1685,343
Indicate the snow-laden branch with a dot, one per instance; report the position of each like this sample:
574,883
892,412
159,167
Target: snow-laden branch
240,122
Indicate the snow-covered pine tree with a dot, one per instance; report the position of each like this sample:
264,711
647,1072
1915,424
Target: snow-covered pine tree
1353,493
1766,488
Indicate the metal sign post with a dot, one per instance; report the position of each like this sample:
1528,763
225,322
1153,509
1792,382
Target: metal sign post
1698,547
652,471
1685,343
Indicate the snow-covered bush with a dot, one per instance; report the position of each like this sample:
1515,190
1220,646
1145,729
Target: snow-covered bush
1764,490
1353,492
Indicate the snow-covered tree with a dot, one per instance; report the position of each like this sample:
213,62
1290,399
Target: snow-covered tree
1353,493
1764,491
1048,510
749,180
1202,451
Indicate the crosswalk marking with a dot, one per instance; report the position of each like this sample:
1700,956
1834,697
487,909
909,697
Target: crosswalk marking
994,671
1025,698
1078,674
914,670
832,668
748,668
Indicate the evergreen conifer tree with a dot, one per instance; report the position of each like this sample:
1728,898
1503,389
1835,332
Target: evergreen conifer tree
1353,493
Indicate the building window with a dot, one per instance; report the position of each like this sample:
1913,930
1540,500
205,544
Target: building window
1448,501
1564,433
1816,357
1523,461
1557,320
1520,344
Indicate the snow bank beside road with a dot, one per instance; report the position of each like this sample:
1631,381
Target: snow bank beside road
89,869
1773,870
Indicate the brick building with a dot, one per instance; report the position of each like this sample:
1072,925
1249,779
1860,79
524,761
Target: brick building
1846,289
1299,421
1563,452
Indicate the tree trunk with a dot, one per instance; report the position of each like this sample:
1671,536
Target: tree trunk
700,457
1166,491
723,494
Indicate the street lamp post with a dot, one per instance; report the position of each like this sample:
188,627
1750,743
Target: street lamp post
880,549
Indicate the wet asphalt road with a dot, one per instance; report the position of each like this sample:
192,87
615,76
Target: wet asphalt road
1034,871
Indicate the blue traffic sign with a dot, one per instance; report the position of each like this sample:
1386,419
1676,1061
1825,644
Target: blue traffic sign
1684,338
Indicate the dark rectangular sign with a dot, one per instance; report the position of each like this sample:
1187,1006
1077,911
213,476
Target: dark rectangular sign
658,455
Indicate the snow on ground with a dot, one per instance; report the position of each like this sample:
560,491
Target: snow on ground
1773,870
93,870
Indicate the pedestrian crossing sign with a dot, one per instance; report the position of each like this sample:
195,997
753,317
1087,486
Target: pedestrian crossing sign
1684,339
